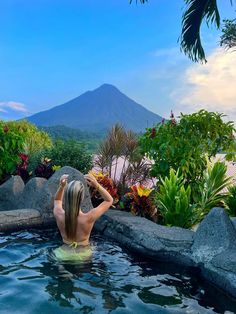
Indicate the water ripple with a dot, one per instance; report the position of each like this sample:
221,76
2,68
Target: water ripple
114,281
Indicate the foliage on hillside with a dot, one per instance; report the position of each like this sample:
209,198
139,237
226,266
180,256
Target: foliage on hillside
60,132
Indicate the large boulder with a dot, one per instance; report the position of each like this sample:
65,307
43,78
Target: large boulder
44,200
144,236
233,219
215,234
10,192
31,192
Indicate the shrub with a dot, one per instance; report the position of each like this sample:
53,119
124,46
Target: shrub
69,153
173,201
18,137
230,201
183,144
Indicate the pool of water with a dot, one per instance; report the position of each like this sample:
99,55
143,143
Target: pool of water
114,281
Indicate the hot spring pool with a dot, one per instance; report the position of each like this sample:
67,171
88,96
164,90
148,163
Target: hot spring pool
114,281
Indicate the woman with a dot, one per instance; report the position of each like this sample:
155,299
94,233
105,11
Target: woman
74,225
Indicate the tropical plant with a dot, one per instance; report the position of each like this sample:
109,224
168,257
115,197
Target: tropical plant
183,144
105,182
18,137
22,167
140,202
230,200
173,201
120,150
213,189
195,13
44,169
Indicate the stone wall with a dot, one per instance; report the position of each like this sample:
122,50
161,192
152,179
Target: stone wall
38,193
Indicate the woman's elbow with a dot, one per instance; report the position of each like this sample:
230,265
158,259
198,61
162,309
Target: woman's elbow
110,202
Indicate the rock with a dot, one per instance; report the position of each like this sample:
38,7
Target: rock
31,192
144,236
44,201
214,235
221,271
10,192
19,219
233,219
225,261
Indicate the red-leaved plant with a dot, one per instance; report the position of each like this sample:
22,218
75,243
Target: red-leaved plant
140,203
107,183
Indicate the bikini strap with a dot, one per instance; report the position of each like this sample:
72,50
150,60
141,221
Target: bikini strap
74,245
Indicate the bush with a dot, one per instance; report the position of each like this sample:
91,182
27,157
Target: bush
183,144
18,137
69,153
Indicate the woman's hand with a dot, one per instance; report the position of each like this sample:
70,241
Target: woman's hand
91,181
63,180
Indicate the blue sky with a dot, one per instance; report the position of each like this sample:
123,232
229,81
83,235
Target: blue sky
54,50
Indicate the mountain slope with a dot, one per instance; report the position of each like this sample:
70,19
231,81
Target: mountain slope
98,110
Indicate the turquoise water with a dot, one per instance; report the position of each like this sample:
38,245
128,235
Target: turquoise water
114,281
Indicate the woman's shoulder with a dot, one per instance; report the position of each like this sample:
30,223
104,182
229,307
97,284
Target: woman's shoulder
85,216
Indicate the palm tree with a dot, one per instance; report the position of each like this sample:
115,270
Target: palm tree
228,37
196,11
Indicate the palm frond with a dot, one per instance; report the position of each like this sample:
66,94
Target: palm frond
192,19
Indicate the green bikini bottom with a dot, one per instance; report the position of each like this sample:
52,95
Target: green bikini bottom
68,253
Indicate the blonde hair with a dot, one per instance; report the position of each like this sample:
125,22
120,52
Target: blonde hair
74,195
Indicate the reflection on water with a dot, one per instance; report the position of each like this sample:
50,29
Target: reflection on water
113,281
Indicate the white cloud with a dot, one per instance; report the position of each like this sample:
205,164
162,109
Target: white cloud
15,106
210,86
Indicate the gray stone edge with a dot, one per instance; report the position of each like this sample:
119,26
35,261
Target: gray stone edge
13,220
